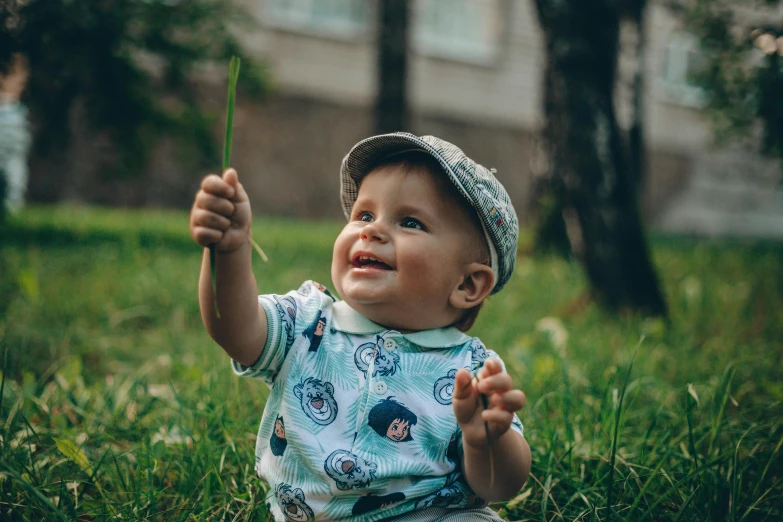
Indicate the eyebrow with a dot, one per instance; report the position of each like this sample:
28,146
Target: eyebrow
403,209
418,212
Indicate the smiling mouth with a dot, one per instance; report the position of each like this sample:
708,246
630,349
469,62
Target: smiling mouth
363,261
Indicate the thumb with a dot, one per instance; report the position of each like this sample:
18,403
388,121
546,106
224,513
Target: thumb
463,401
463,385
231,177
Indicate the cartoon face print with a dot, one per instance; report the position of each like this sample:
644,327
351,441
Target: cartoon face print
315,332
292,503
392,420
386,362
371,502
398,430
286,308
349,470
479,354
278,442
317,400
444,388
280,427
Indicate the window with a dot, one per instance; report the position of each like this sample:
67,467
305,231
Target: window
342,18
680,59
464,30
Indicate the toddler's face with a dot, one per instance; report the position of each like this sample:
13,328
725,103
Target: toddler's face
398,430
403,251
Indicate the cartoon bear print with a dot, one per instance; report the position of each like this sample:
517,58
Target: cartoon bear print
278,442
444,388
386,362
292,503
349,470
392,420
372,502
317,400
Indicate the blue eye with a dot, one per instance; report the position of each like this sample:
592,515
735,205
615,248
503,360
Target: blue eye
410,222
365,216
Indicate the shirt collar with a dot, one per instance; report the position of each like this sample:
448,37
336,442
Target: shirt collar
348,320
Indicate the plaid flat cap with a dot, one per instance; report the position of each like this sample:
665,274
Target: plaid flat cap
475,182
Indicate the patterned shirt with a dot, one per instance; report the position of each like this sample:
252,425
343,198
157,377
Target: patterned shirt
359,422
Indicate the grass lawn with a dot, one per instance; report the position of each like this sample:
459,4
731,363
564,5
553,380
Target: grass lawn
115,404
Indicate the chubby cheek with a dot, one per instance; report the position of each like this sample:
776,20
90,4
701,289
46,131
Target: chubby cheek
340,252
422,268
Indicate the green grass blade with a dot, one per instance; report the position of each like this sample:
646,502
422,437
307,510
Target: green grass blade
34,491
233,76
4,370
618,412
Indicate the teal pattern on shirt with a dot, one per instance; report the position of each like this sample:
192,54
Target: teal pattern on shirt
358,423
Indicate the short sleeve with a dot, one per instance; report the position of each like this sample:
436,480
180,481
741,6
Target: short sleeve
289,317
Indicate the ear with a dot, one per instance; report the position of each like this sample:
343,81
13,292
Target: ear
475,286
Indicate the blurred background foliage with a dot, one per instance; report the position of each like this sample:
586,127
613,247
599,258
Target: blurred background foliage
129,65
740,68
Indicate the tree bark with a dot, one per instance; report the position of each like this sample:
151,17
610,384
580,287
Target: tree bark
391,106
590,172
636,150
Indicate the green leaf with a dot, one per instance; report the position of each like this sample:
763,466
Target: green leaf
74,454
28,283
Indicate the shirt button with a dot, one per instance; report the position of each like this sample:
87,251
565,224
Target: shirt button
379,387
389,344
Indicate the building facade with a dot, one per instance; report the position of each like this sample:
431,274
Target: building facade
475,79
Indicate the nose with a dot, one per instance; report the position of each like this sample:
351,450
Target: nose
374,231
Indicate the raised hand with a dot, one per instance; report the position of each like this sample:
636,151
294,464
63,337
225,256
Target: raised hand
502,401
221,213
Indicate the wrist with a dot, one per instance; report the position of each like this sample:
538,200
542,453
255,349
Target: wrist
476,445
234,245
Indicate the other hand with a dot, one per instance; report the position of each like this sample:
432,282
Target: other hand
502,401
221,213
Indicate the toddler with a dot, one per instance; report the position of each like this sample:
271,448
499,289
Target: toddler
377,404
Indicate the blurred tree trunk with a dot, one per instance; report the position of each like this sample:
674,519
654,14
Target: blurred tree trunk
636,151
391,105
592,172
